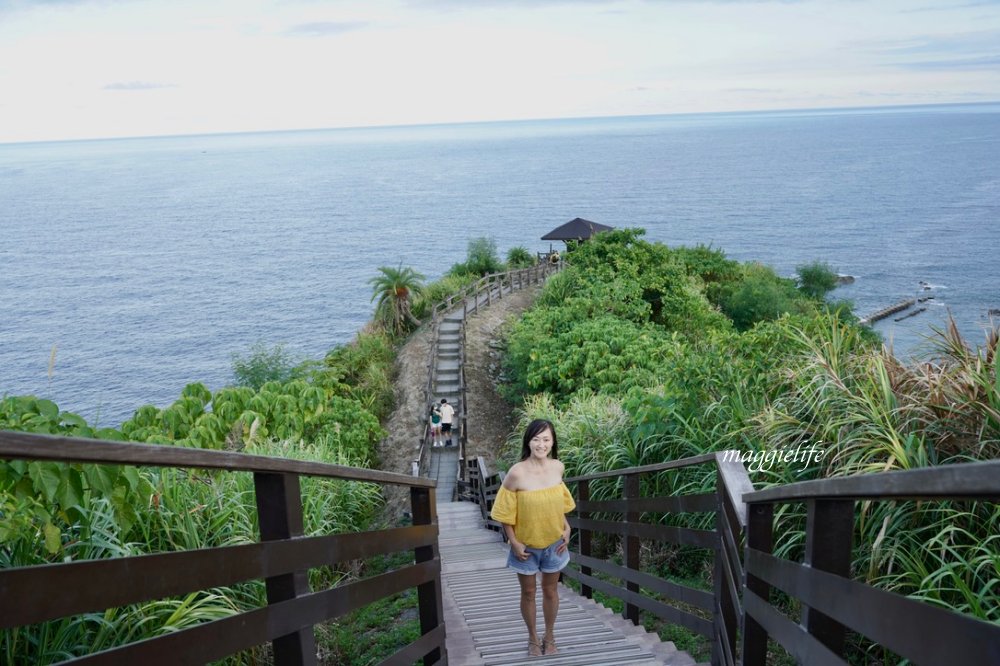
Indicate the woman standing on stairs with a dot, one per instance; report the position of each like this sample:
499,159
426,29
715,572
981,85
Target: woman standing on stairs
532,504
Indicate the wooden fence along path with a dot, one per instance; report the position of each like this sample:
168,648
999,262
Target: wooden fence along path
446,366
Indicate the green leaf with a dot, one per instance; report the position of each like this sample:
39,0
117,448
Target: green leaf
72,420
70,490
17,469
45,478
53,538
102,478
131,476
111,434
47,408
124,510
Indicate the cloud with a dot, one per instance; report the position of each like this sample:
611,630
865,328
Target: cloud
325,28
537,4
766,91
979,62
944,52
944,8
970,43
138,85
12,5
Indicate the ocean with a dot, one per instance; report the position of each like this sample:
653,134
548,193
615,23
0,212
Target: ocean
146,264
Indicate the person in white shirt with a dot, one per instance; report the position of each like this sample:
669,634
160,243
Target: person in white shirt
447,416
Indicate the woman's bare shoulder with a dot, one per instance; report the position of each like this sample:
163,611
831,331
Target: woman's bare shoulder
513,478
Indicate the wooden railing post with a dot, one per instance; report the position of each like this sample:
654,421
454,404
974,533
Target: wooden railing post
583,491
760,536
829,536
279,513
429,600
631,545
725,615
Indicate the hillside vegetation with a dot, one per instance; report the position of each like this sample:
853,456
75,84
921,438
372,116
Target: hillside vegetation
642,353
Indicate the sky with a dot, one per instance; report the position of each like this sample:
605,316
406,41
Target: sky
73,69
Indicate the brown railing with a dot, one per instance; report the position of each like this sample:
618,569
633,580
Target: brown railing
482,487
282,558
737,615
718,619
833,603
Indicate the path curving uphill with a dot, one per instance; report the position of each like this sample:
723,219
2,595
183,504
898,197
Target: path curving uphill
491,417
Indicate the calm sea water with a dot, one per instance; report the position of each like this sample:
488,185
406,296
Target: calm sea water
147,263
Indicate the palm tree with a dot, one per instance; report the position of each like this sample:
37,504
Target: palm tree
393,289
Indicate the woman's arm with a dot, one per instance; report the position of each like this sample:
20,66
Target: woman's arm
565,537
510,482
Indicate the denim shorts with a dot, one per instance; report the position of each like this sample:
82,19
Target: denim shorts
545,560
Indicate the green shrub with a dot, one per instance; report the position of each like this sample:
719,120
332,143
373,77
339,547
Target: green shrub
816,279
481,258
263,364
520,257
435,292
761,295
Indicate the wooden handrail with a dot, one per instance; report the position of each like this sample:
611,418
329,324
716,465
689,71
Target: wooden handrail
979,480
31,446
724,541
281,558
833,603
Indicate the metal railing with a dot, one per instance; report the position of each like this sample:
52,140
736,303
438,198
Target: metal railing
281,558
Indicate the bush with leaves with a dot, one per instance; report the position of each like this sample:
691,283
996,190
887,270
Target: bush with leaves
519,257
761,295
816,279
263,364
481,258
790,371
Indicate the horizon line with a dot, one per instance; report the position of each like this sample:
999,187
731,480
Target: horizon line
497,121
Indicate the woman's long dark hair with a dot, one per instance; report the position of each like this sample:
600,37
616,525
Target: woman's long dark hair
535,427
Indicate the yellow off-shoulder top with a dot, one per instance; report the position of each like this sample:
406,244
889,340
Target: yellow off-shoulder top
537,515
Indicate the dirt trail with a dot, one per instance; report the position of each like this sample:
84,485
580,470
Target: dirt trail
491,418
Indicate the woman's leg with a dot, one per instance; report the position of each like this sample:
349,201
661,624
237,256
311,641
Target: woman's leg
528,606
550,608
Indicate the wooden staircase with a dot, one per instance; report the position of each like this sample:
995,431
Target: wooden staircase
483,618
446,383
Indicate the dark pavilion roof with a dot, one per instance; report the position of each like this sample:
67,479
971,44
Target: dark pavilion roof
576,229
